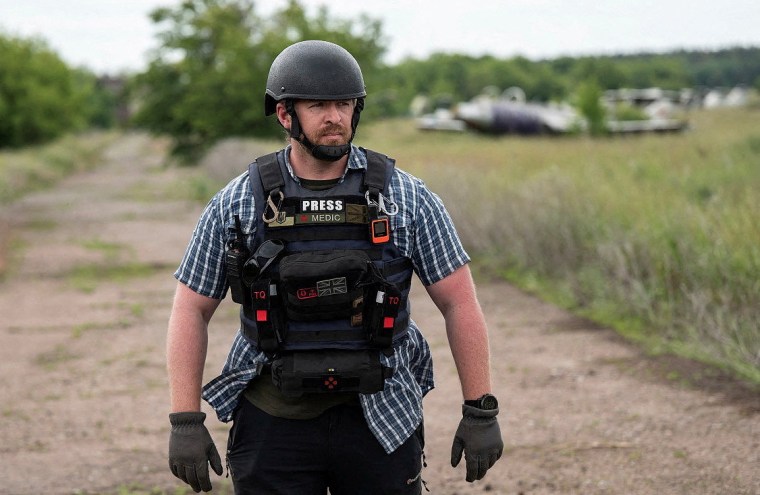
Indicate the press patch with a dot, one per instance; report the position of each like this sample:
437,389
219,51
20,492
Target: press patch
321,210
322,205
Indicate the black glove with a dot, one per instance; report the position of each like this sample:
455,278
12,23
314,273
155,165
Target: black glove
479,437
191,450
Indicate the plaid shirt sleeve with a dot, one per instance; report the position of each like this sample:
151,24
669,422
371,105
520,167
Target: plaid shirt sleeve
202,268
424,231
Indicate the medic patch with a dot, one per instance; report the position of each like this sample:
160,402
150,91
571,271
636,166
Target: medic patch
302,218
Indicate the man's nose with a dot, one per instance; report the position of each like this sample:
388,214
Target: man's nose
332,114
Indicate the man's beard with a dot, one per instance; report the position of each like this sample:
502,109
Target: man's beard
330,143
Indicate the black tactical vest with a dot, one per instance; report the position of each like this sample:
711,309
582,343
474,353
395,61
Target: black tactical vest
325,273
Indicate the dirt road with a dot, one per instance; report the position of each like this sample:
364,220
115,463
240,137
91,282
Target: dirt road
84,397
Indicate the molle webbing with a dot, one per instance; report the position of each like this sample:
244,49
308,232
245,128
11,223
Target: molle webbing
310,221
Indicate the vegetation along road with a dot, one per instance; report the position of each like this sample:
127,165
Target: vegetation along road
84,398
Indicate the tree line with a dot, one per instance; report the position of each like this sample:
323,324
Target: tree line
206,79
461,77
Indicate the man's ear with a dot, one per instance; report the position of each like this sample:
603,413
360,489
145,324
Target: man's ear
282,115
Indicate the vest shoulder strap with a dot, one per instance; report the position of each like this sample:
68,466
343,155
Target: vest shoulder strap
269,171
379,170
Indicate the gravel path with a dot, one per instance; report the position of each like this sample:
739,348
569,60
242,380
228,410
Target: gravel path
84,397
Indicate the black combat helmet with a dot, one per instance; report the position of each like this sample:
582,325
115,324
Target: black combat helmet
315,70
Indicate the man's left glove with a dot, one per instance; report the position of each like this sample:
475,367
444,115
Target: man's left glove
479,437
191,450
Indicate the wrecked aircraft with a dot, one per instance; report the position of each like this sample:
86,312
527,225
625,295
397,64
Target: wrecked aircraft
509,113
510,117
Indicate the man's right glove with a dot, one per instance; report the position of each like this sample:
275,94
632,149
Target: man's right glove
479,437
191,449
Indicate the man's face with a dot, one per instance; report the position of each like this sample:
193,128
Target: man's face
326,122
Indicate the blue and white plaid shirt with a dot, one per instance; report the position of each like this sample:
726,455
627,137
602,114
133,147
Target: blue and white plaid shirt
422,230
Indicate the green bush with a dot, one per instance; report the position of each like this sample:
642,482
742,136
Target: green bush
41,98
589,104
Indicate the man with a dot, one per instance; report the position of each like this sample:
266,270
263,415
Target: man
318,243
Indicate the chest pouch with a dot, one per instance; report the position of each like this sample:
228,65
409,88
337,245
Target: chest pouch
329,371
380,317
325,285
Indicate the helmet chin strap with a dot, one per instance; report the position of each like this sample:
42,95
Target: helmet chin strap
320,151
323,152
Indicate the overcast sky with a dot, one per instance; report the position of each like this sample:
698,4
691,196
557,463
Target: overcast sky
115,35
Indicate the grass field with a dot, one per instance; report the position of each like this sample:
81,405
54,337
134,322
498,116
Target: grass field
656,235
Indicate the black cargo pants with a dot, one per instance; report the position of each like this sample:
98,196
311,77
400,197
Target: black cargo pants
335,451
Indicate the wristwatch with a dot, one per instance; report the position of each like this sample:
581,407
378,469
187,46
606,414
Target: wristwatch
487,402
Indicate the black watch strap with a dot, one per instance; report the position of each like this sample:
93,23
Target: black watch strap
486,402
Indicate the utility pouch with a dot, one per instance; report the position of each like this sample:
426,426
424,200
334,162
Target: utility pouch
270,324
324,285
380,320
234,261
329,371
235,257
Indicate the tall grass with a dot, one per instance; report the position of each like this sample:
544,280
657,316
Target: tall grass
28,169
657,235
